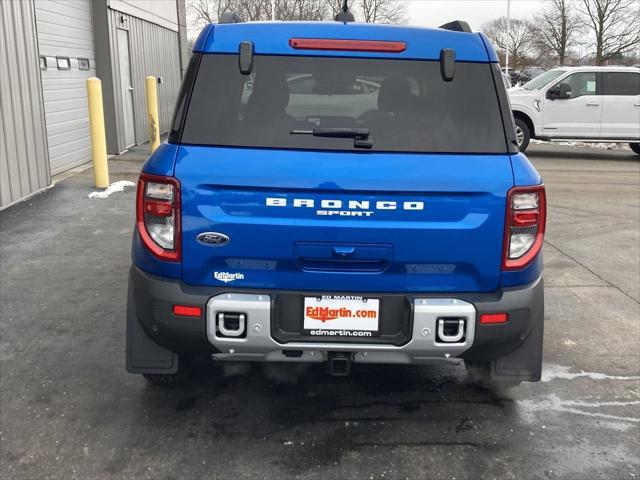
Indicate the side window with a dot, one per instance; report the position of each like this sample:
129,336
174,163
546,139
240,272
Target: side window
622,83
582,83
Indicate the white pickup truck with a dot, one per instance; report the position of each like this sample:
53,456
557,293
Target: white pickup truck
589,104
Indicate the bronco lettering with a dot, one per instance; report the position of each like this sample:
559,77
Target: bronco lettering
348,204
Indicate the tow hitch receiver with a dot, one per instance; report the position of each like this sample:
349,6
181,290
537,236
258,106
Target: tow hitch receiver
339,364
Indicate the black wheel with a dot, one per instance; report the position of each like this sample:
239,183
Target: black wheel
523,134
635,147
480,375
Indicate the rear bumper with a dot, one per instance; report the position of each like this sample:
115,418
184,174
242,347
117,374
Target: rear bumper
156,337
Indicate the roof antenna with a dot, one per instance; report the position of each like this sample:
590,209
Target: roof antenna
345,15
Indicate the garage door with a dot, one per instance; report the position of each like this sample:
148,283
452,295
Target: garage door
65,38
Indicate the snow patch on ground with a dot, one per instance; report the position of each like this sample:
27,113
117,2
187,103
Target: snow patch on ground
601,146
531,409
551,372
113,188
607,414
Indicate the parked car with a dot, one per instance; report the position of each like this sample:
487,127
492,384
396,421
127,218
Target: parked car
590,104
529,73
341,193
513,75
506,79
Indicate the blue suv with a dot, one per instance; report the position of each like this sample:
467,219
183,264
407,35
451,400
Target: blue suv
342,193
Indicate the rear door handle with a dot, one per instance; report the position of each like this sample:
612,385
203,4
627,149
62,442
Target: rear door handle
592,104
636,104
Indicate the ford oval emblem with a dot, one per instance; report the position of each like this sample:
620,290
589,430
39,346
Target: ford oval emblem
213,239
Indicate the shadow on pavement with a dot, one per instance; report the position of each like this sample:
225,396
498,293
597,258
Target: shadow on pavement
324,419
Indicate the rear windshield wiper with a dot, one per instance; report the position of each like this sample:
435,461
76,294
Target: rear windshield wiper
361,136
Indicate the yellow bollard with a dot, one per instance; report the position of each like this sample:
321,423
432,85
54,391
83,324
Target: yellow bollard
152,113
98,139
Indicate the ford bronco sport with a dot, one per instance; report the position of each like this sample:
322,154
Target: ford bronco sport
343,193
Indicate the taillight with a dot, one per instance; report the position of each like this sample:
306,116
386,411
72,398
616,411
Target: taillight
524,226
158,215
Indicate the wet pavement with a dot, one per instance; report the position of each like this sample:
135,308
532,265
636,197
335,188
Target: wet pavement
69,410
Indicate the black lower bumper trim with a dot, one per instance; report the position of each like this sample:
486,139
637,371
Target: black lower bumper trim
152,298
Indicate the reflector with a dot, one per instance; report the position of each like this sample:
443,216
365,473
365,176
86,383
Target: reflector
187,311
494,318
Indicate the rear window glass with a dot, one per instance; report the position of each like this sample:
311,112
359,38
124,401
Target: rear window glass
405,104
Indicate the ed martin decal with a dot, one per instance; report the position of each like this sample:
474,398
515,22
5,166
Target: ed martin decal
227,277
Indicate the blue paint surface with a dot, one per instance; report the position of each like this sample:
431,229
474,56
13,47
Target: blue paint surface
418,222
272,38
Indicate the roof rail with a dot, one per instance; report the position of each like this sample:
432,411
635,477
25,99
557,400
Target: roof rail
457,26
230,17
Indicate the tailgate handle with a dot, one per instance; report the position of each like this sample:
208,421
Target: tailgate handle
344,252
342,257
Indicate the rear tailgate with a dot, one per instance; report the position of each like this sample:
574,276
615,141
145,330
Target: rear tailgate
342,221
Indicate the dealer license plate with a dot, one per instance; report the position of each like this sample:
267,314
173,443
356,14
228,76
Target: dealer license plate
341,316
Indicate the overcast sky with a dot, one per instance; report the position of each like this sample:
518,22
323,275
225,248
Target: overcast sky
433,13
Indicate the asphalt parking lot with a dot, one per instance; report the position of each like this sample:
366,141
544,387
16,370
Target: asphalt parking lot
69,410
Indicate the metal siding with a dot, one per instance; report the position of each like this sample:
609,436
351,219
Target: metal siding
154,50
65,29
24,167
115,69
160,12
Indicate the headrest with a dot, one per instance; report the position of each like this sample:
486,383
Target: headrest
270,93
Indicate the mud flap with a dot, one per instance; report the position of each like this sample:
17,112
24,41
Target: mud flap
524,364
143,354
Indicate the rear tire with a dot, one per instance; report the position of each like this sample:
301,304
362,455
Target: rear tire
635,147
523,134
479,374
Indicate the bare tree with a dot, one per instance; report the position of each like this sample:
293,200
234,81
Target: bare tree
252,10
301,9
335,6
203,12
383,11
556,29
520,37
614,27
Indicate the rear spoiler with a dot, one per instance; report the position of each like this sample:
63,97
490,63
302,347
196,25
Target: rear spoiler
457,26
